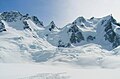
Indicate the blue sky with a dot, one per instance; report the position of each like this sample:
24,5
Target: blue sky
63,11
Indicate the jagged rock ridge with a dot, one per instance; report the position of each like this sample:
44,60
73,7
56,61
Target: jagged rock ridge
102,31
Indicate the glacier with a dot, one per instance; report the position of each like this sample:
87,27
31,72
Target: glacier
83,42
84,48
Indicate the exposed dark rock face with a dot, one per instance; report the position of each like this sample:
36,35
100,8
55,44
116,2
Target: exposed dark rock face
91,18
11,16
25,17
26,25
90,38
2,27
110,35
36,21
76,36
61,44
52,26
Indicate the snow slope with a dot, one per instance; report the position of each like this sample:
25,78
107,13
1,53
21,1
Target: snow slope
37,71
18,44
30,50
84,42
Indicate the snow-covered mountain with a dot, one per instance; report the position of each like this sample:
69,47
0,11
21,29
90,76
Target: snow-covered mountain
25,38
102,31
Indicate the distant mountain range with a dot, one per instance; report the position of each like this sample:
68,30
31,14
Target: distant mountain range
25,38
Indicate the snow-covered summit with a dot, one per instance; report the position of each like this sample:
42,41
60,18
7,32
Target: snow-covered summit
26,38
36,21
82,31
18,20
52,27
11,16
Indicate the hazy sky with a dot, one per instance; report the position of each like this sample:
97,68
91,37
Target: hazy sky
63,11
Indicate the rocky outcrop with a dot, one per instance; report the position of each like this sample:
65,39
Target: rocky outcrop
11,16
36,21
81,31
2,27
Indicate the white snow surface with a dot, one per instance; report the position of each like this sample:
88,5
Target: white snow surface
39,44
33,54
45,71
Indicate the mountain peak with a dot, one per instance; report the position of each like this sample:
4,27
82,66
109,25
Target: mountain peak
11,12
52,23
81,19
11,16
79,31
52,26
110,18
36,21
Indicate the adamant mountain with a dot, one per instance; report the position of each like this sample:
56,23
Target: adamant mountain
30,39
